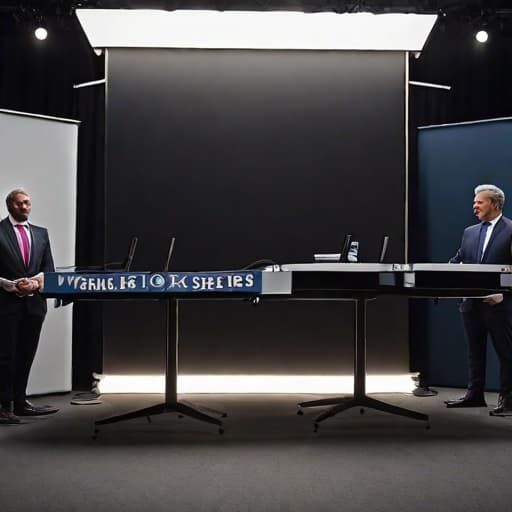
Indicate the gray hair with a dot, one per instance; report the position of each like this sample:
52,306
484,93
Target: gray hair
13,193
496,195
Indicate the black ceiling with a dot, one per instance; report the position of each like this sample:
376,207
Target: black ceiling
59,12
67,7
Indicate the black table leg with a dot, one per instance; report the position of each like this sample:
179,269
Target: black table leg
171,404
359,398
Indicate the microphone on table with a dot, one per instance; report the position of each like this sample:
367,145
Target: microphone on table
169,254
345,248
383,248
131,254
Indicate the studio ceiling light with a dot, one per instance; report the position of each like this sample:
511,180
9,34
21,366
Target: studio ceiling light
482,36
106,28
41,33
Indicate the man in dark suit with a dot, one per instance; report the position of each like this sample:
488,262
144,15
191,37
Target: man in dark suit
24,251
490,242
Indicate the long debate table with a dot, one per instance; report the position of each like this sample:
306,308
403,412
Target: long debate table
359,282
170,287
364,281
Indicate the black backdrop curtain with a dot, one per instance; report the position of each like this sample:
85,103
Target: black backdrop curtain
89,107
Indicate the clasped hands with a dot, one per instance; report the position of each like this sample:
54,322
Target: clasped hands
26,286
23,286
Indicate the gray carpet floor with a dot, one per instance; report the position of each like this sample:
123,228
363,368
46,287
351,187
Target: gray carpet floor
268,459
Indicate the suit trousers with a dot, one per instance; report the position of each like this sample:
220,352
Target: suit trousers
19,337
479,322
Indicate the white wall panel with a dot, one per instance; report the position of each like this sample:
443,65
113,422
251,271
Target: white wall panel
40,154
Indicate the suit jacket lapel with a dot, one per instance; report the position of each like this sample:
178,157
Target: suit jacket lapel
34,246
499,226
475,244
10,236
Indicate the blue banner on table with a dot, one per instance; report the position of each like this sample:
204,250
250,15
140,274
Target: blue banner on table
145,282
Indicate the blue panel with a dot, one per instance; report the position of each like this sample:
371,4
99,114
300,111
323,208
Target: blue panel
145,282
452,160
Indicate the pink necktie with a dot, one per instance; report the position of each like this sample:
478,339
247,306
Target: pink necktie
25,248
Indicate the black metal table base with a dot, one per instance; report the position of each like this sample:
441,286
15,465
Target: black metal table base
171,404
359,398
181,408
341,404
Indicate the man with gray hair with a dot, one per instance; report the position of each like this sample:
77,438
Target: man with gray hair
490,242
24,254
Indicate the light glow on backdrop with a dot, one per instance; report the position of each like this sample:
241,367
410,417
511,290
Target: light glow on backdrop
283,30
339,384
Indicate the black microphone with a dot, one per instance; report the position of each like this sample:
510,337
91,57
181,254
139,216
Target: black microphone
131,254
169,254
345,248
383,248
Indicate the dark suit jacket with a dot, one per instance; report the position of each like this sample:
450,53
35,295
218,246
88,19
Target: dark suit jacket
12,267
497,252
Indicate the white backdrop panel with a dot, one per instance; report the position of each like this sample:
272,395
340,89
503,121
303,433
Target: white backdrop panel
40,155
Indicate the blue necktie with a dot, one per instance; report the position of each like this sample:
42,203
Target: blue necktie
483,231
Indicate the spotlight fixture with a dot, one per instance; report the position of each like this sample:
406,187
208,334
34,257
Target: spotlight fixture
41,33
482,36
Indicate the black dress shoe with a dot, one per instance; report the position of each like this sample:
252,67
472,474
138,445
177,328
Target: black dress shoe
466,401
29,409
8,418
451,400
504,406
